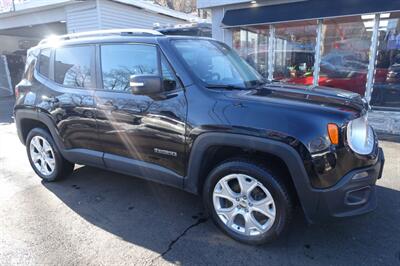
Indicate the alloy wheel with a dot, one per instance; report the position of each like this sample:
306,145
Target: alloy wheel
42,155
244,204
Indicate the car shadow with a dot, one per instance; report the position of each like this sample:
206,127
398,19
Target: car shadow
171,223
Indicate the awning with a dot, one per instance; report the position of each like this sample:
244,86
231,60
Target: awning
311,9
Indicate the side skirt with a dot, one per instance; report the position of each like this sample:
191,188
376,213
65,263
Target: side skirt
123,165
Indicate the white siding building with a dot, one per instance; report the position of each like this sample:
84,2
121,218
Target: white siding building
33,20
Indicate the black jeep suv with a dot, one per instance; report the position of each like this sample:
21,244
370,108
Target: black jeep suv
190,113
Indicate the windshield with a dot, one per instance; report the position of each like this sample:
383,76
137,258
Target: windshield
216,64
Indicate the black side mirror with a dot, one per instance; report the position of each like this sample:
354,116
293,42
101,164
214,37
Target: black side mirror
145,84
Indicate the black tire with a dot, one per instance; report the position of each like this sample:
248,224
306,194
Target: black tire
276,187
62,168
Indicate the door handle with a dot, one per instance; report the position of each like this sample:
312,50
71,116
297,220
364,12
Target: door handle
136,121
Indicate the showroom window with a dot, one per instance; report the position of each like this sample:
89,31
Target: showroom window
345,53
386,87
240,42
252,45
295,52
343,57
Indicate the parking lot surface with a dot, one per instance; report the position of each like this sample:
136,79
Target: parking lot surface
95,217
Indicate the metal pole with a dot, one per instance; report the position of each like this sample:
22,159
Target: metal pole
317,57
271,49
372,59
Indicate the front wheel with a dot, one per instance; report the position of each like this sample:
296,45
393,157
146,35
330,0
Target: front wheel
247,202
45,157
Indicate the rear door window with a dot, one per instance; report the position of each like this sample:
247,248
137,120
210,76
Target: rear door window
73,66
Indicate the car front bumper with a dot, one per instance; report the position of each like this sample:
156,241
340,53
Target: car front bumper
354,194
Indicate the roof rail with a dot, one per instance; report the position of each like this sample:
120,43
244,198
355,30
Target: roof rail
121,32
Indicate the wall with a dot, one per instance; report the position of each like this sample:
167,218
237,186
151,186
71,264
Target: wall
82,17
104,14
24,19
115,15
219,33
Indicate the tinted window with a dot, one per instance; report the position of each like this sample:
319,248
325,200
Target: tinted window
216,64
169,80
44,62
119,62
72,66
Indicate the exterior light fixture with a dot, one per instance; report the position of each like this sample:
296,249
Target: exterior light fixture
372,16
385,15
367,17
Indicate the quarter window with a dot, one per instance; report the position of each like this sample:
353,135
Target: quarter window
119,62
44,62
169,80
73,66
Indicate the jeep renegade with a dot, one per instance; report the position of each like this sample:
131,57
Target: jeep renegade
190,113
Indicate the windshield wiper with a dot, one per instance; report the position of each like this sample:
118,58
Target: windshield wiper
225,86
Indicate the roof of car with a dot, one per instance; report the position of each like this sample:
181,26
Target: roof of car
140,38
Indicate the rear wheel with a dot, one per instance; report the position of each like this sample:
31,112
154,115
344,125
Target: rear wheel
247,202
45,157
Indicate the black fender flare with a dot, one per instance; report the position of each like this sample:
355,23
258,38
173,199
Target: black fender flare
82,156
32,114
308,199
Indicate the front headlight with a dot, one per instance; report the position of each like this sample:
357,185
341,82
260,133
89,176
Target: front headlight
360,136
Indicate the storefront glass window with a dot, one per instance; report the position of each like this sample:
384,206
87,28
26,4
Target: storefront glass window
386,89
252,45
345,53
240,42
295,52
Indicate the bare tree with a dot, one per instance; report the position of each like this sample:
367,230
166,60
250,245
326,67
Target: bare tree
186,6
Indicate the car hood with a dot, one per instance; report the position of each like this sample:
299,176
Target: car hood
296,94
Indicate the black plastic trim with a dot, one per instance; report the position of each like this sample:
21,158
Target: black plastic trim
285,152
145,170
84,156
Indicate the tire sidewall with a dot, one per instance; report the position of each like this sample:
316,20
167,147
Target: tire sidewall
58,167
264,177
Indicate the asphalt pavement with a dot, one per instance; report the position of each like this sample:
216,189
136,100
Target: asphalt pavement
95,217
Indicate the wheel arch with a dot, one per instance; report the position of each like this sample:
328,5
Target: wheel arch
206,142
26,120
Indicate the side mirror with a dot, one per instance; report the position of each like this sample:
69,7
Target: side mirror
145,84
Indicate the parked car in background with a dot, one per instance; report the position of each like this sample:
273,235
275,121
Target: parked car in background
337,70
190,113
